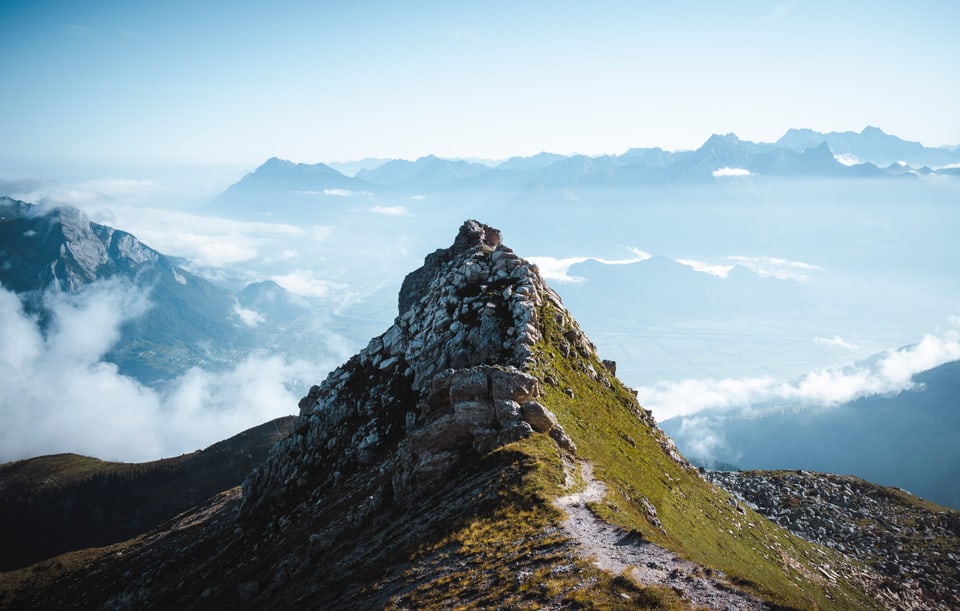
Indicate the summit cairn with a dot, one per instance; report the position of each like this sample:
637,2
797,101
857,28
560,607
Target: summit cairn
451,375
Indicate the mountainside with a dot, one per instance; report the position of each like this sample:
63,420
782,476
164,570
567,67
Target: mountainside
920,428
54,504
190,320
478,453
58,256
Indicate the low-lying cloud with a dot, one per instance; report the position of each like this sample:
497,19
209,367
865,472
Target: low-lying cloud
837,342
59,395
775,267
891,372
558,270
723,172
721,271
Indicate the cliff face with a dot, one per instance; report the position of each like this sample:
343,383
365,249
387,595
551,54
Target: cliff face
477,453
446,380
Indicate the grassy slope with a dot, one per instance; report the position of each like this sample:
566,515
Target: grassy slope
698,520
52,504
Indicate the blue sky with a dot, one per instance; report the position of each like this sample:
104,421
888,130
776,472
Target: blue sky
238,82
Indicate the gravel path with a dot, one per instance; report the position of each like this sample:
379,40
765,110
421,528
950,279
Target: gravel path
616,551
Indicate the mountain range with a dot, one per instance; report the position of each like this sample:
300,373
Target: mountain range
479,453
799,153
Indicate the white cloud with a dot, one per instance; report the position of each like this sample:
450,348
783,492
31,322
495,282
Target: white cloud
306,283
247,316
101,191
670,399
557,270
708,268
335,193
206,241
59,395
847,159
390,210
836,341
892,372
702,439
774,267
721,172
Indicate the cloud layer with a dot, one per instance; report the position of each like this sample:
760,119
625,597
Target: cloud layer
59,395
889,373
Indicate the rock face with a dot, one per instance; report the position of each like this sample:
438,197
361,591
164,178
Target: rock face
448,376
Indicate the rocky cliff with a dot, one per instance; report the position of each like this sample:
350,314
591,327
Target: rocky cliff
477,454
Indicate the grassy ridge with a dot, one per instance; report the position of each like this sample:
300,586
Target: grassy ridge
696,519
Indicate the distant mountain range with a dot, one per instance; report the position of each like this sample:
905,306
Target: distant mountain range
909,439
800,152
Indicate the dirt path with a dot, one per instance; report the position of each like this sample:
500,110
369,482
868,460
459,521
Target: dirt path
616,551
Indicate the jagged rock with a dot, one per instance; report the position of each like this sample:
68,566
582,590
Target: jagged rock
541,419
563,440
448,376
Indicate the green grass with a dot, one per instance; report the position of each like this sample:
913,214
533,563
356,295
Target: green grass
698,520
517,557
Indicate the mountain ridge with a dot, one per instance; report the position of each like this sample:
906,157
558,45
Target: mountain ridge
424,472
798,153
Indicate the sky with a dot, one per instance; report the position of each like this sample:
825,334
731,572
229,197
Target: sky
238,82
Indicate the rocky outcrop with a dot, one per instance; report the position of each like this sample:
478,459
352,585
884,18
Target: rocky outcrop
449,376
911,544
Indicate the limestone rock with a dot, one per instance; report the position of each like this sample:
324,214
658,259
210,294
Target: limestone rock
448,378
541,419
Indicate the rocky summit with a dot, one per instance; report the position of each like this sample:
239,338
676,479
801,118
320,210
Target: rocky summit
477,454
448,377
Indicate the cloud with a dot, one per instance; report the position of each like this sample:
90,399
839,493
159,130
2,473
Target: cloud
306,283
390,210
701,438
836,341
891,372
847,159
557,270
59,395
671,399
774,267
92,192
708,268
721,172
206,241
247,316
336,193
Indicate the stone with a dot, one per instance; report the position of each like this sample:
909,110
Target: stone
539,417
512,384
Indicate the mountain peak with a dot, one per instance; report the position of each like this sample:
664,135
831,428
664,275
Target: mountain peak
451,374
870,130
